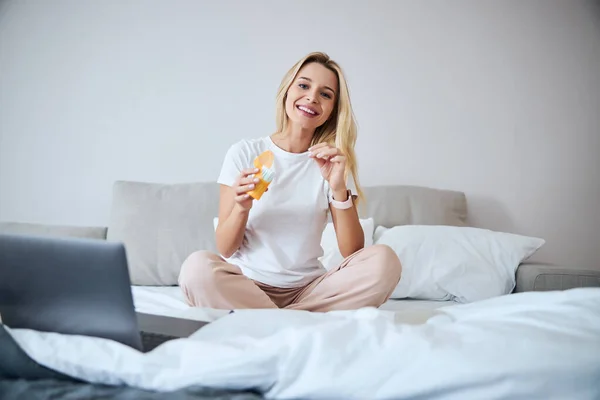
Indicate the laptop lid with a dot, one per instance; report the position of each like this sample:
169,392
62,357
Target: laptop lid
71,286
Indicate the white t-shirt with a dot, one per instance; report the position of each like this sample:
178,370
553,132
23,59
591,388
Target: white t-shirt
282,242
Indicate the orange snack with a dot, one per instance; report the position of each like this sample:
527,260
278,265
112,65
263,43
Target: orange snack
264,163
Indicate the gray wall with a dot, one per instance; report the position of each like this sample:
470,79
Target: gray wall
500,100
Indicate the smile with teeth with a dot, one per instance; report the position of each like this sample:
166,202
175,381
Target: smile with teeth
307,110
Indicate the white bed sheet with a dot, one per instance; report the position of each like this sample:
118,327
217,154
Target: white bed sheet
169,301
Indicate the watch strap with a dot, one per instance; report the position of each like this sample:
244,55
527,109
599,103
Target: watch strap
343,205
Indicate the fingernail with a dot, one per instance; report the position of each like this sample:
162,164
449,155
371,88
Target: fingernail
251,186
320,155
246,196
256,180
255,169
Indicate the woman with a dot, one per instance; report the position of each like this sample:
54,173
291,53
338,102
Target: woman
272,245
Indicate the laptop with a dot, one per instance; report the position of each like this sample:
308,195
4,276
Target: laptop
78,286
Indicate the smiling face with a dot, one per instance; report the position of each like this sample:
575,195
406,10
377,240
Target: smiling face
311,98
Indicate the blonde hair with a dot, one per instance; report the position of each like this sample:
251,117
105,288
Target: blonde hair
340,129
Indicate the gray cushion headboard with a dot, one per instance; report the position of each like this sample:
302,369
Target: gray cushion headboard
162,224
414,205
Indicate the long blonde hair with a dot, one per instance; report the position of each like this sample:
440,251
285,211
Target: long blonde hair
340,129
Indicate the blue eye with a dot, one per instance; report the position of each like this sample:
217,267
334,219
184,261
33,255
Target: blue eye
302,86
326,95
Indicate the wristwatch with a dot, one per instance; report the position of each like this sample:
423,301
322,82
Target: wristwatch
343,205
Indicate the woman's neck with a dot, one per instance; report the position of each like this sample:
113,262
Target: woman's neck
294,139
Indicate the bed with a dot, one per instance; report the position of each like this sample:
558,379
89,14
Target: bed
483,319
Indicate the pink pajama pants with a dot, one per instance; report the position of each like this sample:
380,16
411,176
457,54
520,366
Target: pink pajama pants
367,278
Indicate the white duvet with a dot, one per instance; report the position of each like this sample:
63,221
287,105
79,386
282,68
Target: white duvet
520,346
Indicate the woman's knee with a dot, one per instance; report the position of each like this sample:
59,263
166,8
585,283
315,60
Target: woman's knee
386,262
197,269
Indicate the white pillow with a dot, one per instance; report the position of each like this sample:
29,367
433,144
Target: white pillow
456,263
331,253
332,257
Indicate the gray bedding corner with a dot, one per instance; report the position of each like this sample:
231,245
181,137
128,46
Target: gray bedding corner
537,276
63,390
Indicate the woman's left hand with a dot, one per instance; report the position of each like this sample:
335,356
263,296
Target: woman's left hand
332,163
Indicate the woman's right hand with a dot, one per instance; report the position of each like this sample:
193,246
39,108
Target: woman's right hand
242,185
